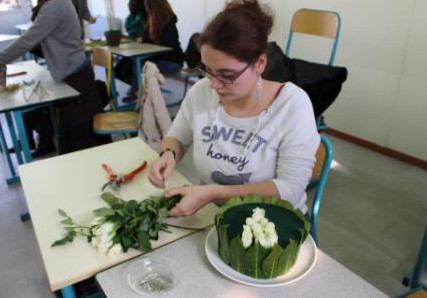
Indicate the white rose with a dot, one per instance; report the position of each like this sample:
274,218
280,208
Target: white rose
247,236
115,250
258,213
250,221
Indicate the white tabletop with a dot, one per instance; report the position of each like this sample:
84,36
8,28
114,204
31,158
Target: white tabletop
34,72
198,278
8,37
73,183
137,49
23,27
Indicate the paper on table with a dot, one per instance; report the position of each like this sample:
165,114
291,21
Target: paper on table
202,219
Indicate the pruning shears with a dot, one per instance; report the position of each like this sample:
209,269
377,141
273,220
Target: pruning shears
115,181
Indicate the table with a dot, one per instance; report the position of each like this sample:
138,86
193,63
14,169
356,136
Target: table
23,27
8,37
138,52
15,104
73,183
198,278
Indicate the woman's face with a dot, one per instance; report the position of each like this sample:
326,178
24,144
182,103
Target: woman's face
230,78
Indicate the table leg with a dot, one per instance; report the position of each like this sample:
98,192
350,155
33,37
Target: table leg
68,292
23,136
13,137
137,71
54,119
3,144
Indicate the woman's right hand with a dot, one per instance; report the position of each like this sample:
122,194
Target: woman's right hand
161,169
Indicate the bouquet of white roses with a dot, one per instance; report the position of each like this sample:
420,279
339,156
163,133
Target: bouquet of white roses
122,225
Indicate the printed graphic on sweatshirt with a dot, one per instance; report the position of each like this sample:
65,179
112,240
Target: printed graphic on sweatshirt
236,137
223,179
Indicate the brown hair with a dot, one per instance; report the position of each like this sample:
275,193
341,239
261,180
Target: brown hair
160,14
240,30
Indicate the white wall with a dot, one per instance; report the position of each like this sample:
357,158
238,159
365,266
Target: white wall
383,44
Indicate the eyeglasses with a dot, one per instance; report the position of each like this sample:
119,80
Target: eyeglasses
225,79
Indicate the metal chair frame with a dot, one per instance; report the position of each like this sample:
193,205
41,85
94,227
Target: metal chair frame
324,156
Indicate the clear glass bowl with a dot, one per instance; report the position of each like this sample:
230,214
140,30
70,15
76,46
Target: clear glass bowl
150,275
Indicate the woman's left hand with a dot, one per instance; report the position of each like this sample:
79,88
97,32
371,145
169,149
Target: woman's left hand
193,198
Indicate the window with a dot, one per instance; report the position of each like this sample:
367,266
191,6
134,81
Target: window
6,5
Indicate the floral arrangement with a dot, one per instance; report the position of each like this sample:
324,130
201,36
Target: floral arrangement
260,238
122,225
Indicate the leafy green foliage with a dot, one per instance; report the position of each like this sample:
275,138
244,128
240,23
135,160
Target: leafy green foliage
254,258
257,261
136,222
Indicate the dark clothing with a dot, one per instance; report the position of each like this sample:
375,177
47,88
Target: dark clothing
168,62
322,82
76,116
169,38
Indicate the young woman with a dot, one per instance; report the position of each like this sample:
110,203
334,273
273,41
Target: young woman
249,135
161,29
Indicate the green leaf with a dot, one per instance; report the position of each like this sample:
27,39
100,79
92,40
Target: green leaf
252,198
67,221
237,253
113,201
223,249
172,201
271,200
254,257
104,212
162,214
68,238
143,241
62,213
232,202
271,267
126,242
289,257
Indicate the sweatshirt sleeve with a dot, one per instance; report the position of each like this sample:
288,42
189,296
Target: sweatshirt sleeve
46,21
296,156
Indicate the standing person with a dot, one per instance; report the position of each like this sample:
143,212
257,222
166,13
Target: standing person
84,14
56,29
249,135
161,29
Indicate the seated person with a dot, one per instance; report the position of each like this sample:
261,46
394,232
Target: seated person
56,28
161,29
249,135
135,21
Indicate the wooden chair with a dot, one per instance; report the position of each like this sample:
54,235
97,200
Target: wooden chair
113,122
326,24
321,169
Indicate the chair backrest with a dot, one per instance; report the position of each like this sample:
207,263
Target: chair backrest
320,23
102,57
321,169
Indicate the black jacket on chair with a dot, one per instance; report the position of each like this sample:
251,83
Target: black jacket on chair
322,82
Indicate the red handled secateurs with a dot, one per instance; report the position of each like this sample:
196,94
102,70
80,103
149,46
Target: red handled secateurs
115,181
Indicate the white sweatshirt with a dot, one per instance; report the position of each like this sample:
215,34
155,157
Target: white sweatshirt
279,144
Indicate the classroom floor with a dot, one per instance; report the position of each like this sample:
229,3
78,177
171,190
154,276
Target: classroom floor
371,220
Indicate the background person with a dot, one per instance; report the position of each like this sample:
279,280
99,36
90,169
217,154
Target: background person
161,29
56,29
249,135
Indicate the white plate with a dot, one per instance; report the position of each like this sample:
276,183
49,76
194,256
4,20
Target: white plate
306,259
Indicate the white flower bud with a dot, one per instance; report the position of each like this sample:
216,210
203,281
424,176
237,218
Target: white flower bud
246,236
258,213
115,250
250,221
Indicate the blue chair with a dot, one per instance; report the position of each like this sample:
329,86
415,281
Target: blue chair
417,288
321,169
321,23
